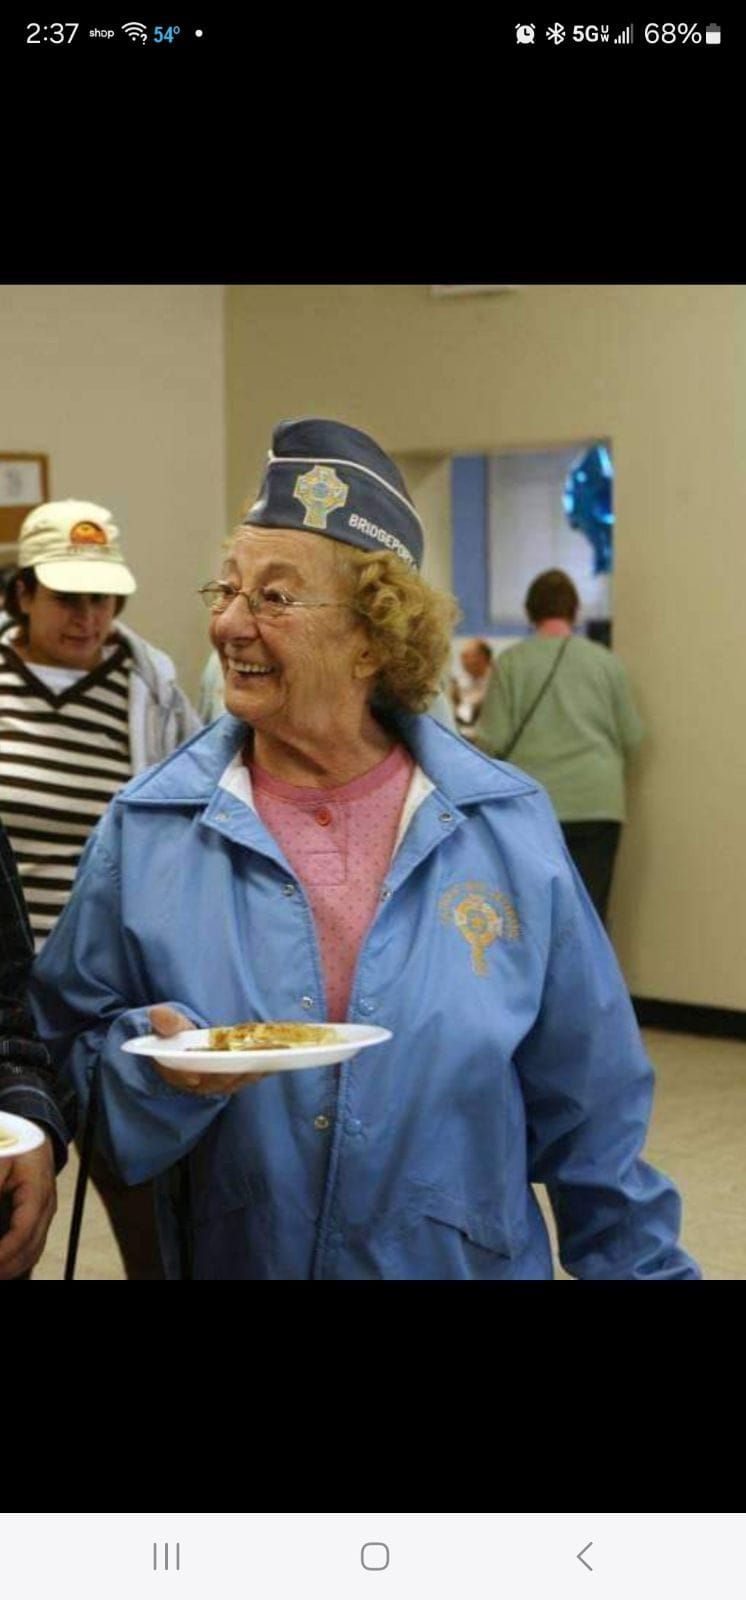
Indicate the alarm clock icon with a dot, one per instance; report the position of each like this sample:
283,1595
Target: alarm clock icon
524,33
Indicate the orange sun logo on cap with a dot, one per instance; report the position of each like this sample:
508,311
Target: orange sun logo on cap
87,533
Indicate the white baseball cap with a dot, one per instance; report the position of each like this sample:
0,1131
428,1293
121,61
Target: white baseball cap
73,546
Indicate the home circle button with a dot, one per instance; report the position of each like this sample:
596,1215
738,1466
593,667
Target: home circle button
375,1557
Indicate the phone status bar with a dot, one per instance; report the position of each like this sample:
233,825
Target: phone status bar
653,33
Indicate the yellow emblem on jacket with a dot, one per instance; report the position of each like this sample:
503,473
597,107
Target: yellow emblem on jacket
481,915
320,491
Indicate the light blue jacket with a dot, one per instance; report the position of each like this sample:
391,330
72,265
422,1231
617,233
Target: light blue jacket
515,1054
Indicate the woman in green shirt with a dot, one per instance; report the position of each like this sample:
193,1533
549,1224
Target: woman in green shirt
560,707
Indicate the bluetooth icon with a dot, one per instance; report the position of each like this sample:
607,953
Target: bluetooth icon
556,34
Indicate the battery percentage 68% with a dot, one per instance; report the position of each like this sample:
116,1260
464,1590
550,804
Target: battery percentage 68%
672,33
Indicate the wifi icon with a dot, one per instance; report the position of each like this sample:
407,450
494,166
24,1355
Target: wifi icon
135,30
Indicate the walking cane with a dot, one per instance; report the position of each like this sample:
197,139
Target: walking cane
86,1153
184,1219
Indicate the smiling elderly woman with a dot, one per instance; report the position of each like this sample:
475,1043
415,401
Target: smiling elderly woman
328,852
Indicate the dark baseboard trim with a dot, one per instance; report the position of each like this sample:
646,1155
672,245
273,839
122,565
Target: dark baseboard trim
712,1020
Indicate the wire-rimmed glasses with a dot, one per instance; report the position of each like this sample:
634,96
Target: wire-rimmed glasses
268,601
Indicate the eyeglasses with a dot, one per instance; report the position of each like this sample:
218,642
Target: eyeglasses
268,602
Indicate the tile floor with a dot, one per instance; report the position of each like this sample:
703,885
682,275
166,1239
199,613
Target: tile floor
698,1137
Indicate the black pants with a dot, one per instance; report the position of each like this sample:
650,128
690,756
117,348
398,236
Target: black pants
131,1212
593,847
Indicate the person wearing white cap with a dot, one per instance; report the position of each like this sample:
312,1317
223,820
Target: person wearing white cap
85,703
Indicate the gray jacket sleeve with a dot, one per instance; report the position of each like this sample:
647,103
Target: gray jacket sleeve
29,1085
186,720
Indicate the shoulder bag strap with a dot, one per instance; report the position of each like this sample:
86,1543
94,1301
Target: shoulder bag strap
503,756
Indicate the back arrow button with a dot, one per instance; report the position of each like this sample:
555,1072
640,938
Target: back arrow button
581,1553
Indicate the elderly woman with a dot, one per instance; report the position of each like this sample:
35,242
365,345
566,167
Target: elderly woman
327,851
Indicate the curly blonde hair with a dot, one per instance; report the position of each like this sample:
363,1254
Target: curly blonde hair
409,624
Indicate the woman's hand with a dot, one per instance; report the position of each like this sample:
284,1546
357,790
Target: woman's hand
165,1021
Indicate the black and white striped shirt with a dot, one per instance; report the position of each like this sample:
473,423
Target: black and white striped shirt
62,758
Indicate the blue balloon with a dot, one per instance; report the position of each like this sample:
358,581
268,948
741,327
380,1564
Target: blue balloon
587,503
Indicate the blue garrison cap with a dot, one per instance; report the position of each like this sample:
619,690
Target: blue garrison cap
325,477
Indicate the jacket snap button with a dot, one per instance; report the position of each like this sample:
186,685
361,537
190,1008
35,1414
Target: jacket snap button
321,1124
323,816
306,1002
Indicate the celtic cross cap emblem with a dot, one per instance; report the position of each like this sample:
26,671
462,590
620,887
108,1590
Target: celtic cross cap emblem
320,491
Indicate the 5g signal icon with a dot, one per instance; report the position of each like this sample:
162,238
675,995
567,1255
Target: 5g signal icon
135,30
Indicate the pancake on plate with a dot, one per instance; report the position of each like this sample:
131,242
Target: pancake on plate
271,1036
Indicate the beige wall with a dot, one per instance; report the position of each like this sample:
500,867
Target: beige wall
660,371
123,387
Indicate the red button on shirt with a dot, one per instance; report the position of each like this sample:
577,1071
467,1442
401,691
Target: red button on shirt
323,816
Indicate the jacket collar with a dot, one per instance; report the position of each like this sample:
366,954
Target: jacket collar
461,773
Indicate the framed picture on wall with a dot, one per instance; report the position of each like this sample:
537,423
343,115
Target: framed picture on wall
24,483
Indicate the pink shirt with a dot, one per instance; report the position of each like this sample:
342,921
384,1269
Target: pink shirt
339,843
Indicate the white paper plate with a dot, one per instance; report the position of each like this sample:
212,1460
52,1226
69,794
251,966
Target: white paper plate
186,1052
27,1134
